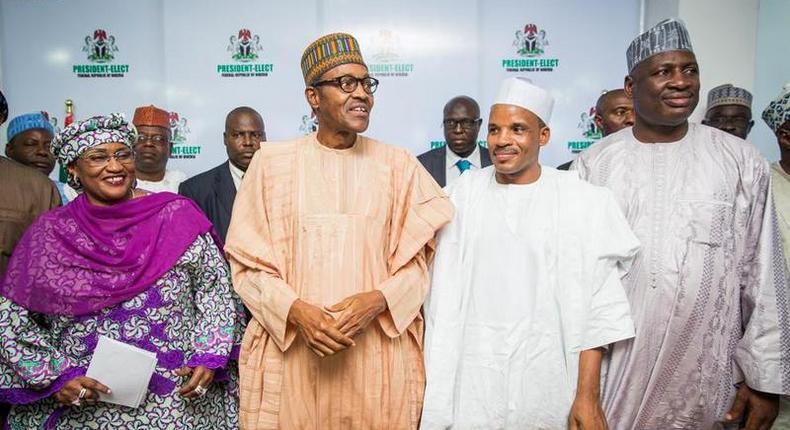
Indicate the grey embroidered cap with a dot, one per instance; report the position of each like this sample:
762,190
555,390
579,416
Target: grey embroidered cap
668,35
728,94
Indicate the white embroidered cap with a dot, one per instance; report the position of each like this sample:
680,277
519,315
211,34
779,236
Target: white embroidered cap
521,92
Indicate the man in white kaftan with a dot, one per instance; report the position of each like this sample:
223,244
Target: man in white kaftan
708,290
526,278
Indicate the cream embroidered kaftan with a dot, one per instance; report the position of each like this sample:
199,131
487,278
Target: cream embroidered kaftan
319,224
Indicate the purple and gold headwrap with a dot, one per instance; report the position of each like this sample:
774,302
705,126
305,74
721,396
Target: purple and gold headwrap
329,52
77,138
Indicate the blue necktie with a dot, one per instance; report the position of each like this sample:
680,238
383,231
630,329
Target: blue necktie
463,165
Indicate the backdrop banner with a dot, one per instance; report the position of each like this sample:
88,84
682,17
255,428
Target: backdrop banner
199,59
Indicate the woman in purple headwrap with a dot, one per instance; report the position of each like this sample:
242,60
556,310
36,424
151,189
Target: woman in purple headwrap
143,269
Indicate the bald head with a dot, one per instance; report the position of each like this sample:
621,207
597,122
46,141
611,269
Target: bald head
242,111
244,132
461,124
614,111
465,101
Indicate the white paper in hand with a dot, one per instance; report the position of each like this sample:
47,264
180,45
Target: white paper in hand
124,369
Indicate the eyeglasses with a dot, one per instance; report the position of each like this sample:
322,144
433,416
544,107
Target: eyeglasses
155,138
466,123
100,159
349,83
737,121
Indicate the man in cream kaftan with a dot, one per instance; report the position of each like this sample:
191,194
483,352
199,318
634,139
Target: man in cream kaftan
312,226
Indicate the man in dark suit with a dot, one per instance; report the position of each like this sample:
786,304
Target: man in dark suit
215,189
461,125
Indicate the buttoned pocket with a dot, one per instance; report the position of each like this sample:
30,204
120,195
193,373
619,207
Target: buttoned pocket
702,219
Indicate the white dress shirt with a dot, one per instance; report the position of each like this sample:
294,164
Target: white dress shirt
236,174
171,181
452,172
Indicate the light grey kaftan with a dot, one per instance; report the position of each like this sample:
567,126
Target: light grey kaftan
709,289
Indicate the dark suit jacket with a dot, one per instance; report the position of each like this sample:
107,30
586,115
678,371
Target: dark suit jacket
214,192
565,166
434,162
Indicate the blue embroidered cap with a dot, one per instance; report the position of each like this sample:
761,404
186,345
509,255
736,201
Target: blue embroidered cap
29,121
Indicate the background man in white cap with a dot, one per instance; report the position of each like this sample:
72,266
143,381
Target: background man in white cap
730,109
709,290
524,293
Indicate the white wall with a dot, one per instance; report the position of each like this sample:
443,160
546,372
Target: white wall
742,42
656,10
772,68
724,37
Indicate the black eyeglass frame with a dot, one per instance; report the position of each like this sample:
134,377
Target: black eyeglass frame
451,124
338,81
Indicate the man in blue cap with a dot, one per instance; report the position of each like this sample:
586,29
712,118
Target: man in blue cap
29,138
25,195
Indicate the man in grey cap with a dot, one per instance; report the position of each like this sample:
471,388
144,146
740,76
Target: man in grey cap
709,289
730,109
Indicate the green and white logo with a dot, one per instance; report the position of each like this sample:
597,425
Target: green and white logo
590,132
178,138
386,59
245,49
309,124
530,45
100,49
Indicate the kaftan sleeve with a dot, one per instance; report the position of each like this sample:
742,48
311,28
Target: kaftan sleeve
763,353
420,210
218,310
30,367
579,165
447,305
609,318
255,248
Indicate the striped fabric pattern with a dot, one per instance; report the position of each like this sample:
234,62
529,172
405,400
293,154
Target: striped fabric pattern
321,225
328,52
728,94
